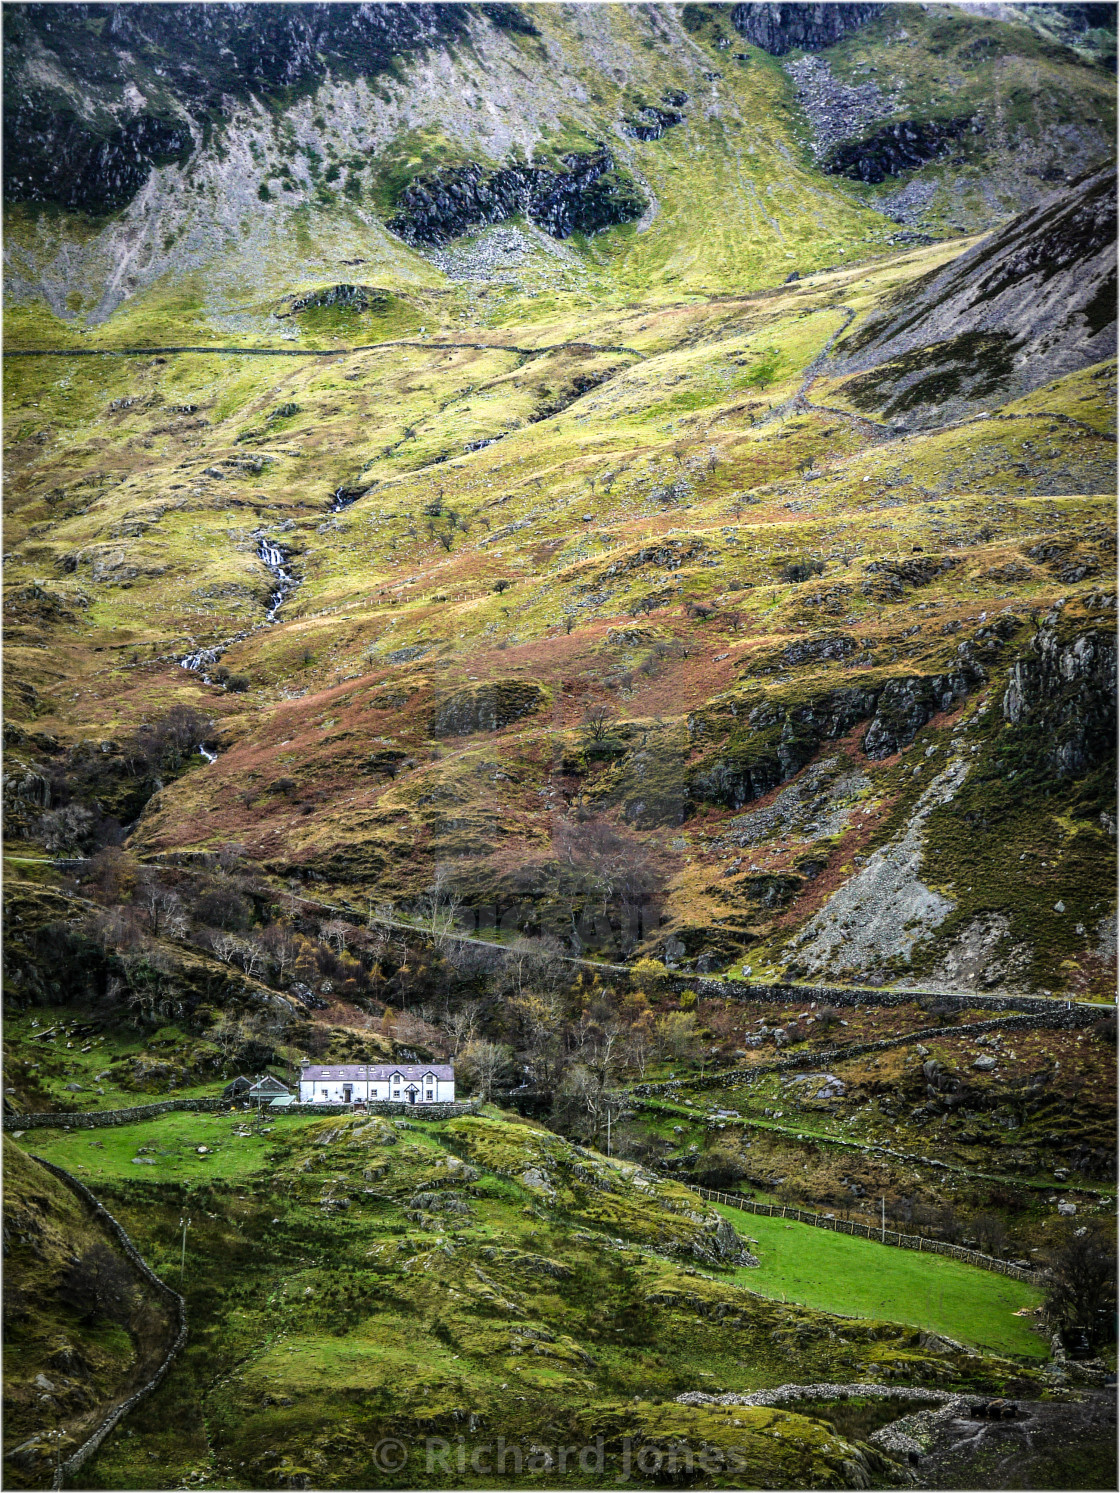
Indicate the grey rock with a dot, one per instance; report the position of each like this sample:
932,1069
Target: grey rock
486,707
1026,305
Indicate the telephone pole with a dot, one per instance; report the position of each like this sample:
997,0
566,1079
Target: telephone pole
183,1255
884,1202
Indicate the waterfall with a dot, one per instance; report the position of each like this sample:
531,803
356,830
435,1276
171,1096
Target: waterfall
275,559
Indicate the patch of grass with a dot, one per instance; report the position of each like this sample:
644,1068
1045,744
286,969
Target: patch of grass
840,1273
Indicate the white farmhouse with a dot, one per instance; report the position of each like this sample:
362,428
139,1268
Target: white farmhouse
350,1083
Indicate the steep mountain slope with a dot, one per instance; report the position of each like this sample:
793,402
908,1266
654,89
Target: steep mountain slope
82,1329
492,483
1031,303
217,160
583,554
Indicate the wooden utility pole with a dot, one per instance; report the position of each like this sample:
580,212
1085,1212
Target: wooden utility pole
183,1255
884,1202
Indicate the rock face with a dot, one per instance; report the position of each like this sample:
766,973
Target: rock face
590,194
1027,305
53,159
486,707
778,29
906,705
777,740
1064,693
189,63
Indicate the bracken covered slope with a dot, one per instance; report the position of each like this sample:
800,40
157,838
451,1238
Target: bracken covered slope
554,536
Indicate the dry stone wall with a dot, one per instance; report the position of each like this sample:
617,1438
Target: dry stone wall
95,1119
733,1077
77,1459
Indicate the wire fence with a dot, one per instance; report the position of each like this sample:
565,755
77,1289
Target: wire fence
866,1231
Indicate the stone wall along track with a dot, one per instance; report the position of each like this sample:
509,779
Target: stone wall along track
76,1460
98,1119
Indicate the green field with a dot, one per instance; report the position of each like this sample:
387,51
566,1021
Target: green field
856,1277
170,1142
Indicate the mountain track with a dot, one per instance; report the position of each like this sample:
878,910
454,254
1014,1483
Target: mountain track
315,352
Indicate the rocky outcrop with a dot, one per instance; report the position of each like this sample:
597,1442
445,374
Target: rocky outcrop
651,121
905,705
351,297
1063,693
48,158
590,194
774,742
818,650
903,145
486,707
779,29
1028,304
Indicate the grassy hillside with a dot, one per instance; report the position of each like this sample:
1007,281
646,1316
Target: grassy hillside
81,1330
510,511
682,525
419,1281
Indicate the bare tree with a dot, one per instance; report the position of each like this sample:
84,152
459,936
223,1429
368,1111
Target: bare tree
607,1050
461,1023
1082,1290
597,720
440,905
99,1283
282,949
225,946
639,1043
163,908
337,933
541,1016
228,1035
251,957
482,1063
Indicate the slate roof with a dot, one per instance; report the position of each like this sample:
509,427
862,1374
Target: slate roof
351,1072
268,1085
